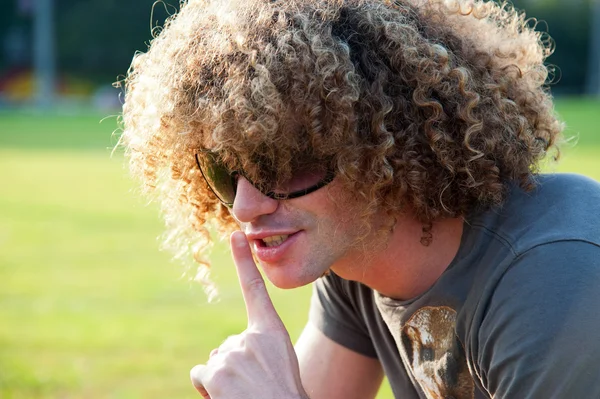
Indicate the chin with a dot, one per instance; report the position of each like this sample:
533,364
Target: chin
286,277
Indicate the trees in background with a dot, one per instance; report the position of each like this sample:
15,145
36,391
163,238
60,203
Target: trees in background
569,25
593,73
97,38
101,36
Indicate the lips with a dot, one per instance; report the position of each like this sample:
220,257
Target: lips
270,248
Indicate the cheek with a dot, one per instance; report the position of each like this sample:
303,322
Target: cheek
347,211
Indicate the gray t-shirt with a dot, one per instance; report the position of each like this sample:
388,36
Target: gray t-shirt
515,315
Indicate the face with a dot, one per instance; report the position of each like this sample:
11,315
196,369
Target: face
297,240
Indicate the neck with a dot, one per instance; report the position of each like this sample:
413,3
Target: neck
402,267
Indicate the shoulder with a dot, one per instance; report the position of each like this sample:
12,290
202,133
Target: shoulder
567,186
537,337
560,207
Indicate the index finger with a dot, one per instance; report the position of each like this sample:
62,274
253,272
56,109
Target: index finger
259,306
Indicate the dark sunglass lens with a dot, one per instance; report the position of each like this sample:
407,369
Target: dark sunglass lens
218,177
304,178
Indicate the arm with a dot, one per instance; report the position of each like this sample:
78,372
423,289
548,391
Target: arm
330,371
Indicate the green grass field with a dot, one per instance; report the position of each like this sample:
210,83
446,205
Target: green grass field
89,307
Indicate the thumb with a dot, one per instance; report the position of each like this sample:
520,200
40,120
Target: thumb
197,375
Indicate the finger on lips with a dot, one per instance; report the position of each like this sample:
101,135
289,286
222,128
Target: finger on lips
262,316
258,303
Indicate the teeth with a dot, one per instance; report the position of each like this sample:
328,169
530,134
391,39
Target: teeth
274,241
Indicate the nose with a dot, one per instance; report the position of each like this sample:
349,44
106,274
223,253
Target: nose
250,204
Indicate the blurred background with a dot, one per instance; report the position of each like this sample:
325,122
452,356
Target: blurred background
89,305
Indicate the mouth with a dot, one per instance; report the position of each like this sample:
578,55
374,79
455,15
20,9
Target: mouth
272,249
274,241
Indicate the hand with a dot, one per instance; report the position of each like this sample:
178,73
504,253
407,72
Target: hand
261,361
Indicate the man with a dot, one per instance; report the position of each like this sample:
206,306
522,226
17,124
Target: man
386,152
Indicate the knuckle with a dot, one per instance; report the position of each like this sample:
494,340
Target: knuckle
254,336
234,358
231,342
220,375
223,368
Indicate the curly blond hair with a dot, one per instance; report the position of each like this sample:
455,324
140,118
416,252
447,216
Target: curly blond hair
431,104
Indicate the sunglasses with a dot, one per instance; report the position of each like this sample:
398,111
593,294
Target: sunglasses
223,182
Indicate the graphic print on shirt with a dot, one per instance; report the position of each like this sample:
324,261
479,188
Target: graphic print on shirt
435,354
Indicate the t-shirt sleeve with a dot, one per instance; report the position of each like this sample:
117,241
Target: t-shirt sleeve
336,310
539,337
